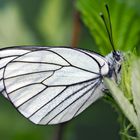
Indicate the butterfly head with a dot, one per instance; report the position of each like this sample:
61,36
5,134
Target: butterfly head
115,60
117,56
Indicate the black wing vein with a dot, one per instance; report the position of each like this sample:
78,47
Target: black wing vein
70,104
67,98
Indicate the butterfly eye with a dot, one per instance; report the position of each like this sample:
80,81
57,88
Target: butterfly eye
116,55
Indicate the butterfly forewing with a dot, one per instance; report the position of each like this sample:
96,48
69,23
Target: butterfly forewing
53,85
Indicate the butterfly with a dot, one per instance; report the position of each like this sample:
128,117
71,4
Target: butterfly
51,85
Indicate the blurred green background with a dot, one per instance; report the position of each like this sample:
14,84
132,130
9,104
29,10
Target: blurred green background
50,22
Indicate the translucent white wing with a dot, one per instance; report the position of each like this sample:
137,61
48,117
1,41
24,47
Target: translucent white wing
53,85
8,54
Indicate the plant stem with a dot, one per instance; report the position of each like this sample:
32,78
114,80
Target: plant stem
76,29
58,135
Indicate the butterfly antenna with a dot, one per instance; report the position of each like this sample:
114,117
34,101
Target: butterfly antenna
109,30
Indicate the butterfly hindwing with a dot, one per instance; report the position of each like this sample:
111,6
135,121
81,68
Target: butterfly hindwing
7,55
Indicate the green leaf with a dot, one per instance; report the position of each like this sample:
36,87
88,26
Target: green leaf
125,83
136,87
126,107
125,20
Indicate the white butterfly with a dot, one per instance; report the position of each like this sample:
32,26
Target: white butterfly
51,85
